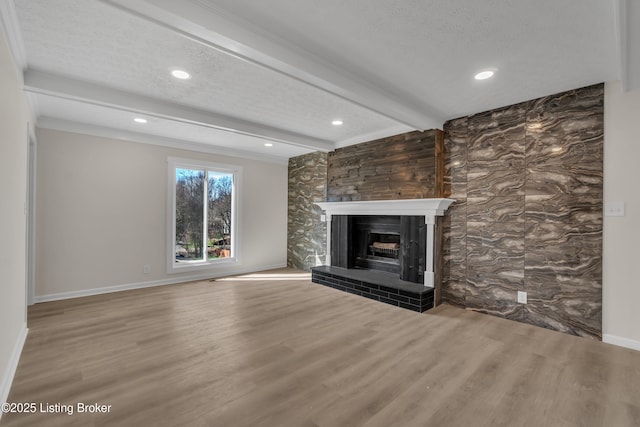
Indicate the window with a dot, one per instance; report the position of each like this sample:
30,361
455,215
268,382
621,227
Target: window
203,214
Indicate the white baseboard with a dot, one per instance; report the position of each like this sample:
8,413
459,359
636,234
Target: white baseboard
153,283
620,341
10,371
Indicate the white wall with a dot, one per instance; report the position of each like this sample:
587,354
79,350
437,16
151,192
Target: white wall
13,176
621,283
101,214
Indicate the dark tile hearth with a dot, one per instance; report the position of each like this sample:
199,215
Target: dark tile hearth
377,285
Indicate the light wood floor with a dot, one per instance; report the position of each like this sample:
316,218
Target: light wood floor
273,349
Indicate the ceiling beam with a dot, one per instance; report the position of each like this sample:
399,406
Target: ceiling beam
229,34
39,82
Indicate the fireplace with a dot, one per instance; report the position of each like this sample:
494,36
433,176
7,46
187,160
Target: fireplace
383,250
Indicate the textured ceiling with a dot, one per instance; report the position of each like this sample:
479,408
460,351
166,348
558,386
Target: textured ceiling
281,70
430,49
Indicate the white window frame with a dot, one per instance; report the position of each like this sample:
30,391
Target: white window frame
180,163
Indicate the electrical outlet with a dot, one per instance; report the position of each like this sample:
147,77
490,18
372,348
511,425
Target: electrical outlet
146,269
522,297
323,218
614,209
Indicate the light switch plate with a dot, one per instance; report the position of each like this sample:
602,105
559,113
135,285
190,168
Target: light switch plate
522,297
614,209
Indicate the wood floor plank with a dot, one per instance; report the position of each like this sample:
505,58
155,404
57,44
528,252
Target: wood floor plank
273,349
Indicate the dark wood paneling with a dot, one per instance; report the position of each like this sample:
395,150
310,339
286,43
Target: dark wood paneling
340,245
397,167
413,237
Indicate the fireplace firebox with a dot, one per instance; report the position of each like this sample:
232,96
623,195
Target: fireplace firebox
389,243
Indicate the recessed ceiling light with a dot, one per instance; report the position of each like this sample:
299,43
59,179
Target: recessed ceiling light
337,122
180,74
268,144
483,75
140,120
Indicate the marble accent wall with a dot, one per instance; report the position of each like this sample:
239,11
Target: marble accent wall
528,183
306,233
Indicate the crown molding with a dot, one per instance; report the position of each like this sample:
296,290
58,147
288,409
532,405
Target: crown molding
122,135
220,30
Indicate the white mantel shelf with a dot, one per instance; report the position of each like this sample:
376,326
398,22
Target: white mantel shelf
429,208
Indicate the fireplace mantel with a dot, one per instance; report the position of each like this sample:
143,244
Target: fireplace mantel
429,208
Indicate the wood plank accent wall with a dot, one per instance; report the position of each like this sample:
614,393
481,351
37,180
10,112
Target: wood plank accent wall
398,167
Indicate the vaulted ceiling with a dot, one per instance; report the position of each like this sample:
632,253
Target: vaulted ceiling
280,71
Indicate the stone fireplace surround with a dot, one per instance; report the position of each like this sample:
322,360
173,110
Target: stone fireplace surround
383,286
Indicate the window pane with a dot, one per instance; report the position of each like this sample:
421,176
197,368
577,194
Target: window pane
219,214
189,215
